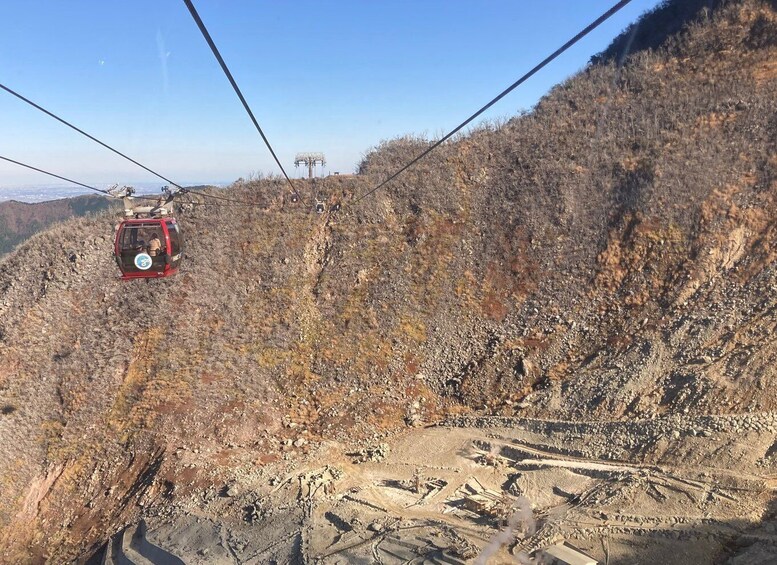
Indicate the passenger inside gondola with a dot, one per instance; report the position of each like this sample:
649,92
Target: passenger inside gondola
141,239
160,239
155,245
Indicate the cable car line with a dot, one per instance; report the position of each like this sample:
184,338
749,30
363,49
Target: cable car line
237,202
116,151
82,132
217,54
71,180
593,25
55,176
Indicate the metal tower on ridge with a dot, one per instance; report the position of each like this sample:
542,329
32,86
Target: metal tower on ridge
309,159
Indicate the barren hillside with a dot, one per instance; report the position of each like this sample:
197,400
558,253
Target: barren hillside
20,220
609,256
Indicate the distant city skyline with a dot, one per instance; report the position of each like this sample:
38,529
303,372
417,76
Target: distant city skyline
335,77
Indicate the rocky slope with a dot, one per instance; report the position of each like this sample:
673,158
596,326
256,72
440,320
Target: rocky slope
609,255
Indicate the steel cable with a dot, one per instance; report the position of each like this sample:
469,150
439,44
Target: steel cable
220,59
593,25
116,151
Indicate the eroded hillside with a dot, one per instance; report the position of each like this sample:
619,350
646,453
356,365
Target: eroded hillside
608,256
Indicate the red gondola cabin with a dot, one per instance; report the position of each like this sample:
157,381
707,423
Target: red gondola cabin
148,248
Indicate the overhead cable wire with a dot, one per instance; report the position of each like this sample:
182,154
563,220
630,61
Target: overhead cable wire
116,151
590,27
220,59
55,175
106,192
25,165
241,202
82,132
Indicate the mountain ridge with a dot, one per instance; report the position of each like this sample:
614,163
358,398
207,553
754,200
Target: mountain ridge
19,220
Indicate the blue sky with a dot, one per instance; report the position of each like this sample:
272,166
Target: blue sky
330,76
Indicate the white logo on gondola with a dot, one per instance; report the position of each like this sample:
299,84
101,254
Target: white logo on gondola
143,261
